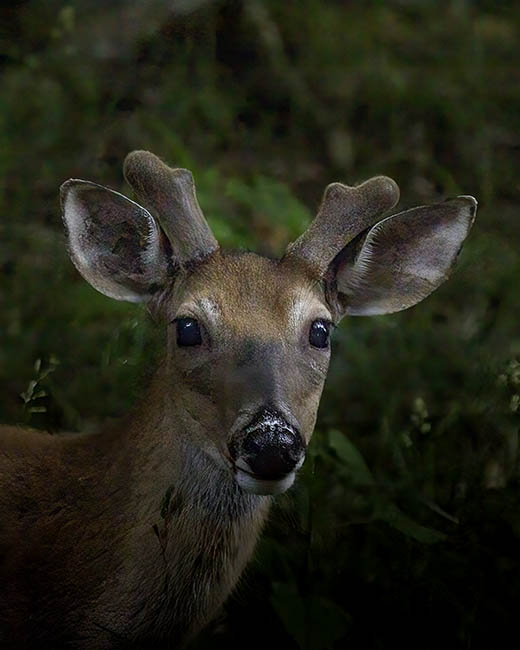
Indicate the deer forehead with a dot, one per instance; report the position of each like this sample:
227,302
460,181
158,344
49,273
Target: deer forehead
249,294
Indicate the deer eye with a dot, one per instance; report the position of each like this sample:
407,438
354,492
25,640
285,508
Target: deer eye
188,332
319,334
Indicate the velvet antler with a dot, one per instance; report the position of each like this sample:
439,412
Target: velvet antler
170,196
344,212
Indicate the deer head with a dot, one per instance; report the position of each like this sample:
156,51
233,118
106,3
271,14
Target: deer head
248,337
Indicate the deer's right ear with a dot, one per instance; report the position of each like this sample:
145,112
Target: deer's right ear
114,242
387,267
403,258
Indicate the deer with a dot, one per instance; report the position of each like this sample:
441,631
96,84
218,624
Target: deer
138,533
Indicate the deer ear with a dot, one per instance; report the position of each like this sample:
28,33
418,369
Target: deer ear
403,258
114,243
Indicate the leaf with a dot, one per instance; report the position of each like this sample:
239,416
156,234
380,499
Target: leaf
38,409
27,395
326,623
393,516
312,621
353,463
289,606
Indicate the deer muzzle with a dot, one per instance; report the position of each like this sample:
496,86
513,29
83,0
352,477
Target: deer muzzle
267,453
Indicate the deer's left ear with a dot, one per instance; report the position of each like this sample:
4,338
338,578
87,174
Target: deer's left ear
402,259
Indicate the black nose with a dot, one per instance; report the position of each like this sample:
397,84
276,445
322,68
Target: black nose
271,447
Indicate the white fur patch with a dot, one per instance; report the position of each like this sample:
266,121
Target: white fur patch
202,307
256,486
305,306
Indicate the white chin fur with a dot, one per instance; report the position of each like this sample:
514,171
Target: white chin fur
256,486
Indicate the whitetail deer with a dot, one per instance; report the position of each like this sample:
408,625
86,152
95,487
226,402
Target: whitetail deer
140,532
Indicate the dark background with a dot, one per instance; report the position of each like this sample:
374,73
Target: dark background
404,527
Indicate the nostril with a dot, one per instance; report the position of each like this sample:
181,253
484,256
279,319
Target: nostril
269,447
271,456
271,465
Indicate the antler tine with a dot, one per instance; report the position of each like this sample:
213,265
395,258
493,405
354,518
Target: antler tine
344,212
170,195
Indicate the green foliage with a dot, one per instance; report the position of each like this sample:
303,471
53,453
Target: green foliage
315,622
404,526
35,391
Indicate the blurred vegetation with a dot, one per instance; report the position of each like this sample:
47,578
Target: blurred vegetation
404,529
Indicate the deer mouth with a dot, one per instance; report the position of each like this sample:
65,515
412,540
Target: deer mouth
256,484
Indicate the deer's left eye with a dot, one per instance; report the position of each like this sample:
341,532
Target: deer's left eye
188,332
319,334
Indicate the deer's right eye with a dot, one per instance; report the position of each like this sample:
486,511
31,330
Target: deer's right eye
188,332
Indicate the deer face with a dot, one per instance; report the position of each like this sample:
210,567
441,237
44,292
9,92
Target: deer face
248,337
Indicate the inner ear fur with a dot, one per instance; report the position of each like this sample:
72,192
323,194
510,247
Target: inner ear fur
114,242
402,259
